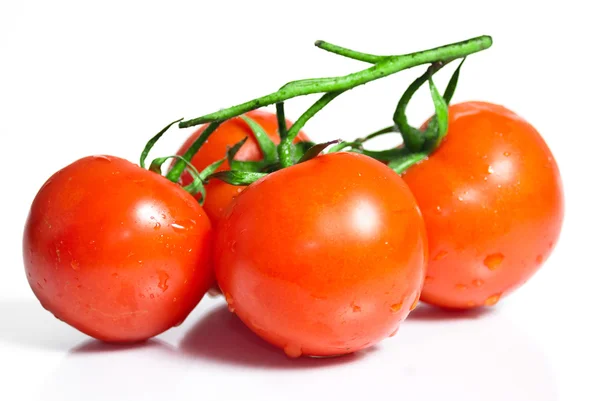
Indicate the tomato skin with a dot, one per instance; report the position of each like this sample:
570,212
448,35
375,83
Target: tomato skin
118,252
228,134
492,199
325,257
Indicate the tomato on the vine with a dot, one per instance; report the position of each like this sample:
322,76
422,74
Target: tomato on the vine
492,200
116,251
325,257
218,193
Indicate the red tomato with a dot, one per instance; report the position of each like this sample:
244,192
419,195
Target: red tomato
492,200
118,252
220,194
325,257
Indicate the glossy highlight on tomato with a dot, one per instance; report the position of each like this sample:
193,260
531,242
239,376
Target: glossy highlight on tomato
323,258
491,196
219,193
116,251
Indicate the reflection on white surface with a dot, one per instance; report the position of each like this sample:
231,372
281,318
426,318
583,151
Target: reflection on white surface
434,356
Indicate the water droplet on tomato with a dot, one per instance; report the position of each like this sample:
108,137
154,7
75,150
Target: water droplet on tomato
163,277
440,255
428,279
293,351
415,303
492,300
460,199
178,227
477,282
232,246
393,333
395,308
164,216
102,158
157,225
151,296
230,303
539,259
461,287
506,154
115,275
438,208
493,261
175,299
74,265
356,308
490,169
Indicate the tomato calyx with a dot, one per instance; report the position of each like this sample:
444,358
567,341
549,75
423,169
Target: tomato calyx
417,144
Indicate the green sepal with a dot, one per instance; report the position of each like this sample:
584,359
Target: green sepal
449,92
401,164
300,148
237,177
316,150
439,129
197,185
152,141
266,145
210,169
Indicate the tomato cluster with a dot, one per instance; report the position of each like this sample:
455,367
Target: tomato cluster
322,257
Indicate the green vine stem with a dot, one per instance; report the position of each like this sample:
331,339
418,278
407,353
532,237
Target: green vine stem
281,122
387,67
353,54
150,144
179,167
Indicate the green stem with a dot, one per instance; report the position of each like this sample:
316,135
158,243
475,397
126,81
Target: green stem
281,122
386,130
179,167
285,147
383,69
353,54
343,145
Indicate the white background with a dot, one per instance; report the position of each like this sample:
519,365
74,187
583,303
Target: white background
80,78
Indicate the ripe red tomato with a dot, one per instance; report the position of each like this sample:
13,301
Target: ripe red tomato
325,257
118,252
219,193
492,200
